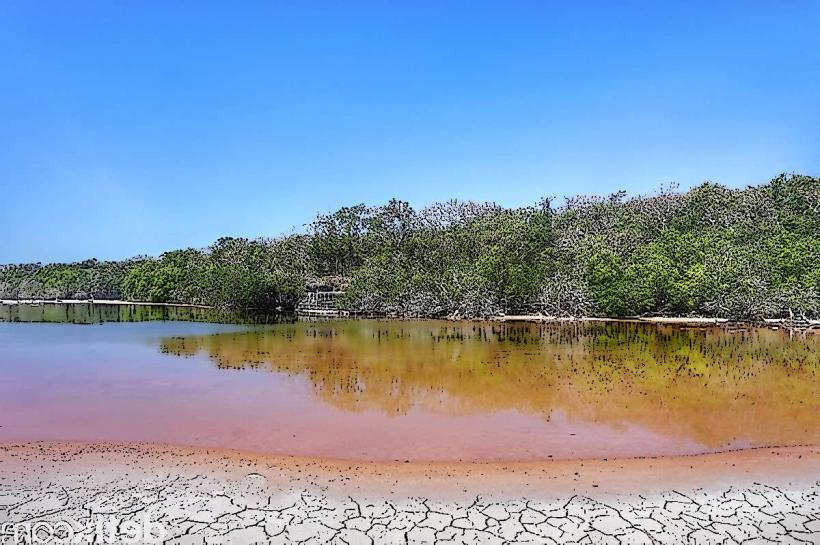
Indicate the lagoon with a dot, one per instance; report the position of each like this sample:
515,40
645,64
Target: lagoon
412,391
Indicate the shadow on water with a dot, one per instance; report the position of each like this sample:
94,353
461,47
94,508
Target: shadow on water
721,388
96,313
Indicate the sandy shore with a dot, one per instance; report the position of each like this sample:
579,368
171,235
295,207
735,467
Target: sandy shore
667,320
672,320
223,496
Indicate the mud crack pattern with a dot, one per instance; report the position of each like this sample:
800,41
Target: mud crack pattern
199,509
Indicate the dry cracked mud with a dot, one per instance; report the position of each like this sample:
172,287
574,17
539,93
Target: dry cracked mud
212,496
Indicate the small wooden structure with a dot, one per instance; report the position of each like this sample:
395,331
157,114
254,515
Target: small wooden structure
319,303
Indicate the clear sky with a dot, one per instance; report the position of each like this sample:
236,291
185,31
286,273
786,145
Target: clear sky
138,127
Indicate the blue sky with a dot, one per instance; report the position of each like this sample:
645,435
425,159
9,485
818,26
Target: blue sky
138,127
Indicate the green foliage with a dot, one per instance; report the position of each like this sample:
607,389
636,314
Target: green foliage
515,254
603,271
711,251
153,281
338,241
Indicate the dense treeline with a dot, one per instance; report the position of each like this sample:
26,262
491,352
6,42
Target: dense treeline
710,251
233,272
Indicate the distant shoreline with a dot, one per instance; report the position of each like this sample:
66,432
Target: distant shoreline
531,318
658,320
98,302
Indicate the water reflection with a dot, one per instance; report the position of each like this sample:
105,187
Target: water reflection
98,313
719,388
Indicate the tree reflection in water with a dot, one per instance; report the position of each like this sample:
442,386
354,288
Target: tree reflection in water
718,387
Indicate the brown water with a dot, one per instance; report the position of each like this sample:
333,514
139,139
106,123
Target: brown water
378,390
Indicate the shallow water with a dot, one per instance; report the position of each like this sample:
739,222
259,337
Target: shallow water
378,390
97,313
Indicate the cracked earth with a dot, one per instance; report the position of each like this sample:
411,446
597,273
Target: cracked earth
196,496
